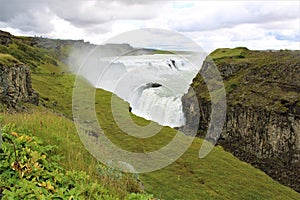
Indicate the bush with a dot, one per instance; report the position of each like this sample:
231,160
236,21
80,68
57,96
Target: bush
27,171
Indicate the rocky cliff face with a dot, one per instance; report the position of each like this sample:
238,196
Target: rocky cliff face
15,83
263,114
5,38
270,141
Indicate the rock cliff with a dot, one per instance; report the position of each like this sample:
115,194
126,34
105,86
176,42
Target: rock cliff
263,109
5,38
15,83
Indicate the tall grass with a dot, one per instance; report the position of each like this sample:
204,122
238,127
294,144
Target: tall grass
57,130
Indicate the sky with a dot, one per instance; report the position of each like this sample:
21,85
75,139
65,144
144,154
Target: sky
210,24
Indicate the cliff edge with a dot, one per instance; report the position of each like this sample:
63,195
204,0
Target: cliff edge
263,109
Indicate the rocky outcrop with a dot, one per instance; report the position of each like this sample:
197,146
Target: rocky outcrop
262,120
15,85
5,38
268,140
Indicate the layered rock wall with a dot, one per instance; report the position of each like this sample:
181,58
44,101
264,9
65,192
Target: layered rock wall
15,85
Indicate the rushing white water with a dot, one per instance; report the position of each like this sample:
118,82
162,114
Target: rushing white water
152,84
158,105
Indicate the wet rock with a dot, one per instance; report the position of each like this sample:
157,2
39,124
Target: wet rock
153,85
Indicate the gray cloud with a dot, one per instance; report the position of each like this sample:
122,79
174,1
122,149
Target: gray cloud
31,16
84,13
35,16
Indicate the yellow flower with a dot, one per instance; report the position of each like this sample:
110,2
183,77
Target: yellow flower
21,137
43,184
28,138
46,185
49,186
15,134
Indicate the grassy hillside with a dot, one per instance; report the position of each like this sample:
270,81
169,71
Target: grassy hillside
258,76
218,176
7,60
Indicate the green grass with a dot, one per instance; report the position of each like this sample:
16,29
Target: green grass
237,52
38,59
8,60
218,176
58,94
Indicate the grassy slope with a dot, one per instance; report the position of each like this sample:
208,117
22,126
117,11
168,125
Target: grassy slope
55,91
8,60
218,176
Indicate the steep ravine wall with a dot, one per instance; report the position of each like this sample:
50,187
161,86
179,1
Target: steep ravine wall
268,139
15,85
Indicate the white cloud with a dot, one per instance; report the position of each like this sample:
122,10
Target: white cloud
225,14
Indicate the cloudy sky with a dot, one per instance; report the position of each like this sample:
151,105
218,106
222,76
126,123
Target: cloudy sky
211,24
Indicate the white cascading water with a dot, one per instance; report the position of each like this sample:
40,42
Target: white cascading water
159,105
152,84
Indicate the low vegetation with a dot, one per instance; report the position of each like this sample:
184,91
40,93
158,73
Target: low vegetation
62,168
29,170
8,60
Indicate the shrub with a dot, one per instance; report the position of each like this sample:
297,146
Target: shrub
27,171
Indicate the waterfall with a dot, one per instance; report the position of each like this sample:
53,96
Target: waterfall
158,104
152,84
